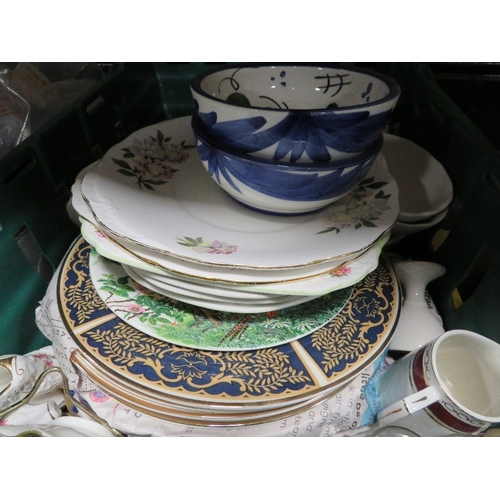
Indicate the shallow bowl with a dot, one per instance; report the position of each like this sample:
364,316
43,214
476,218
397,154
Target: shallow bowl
402,228
425,189
279,187
296,113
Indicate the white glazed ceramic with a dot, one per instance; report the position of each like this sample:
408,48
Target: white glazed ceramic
18,375
449,386
401,228
425,188
173,208
277,187
418,324
203,289
320,282
301,112
216,302
136,256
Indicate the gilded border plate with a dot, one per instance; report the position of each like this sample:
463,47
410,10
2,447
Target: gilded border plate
301,369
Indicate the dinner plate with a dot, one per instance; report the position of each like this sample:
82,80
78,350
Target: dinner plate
217,303
131,253
322,283
313,365
209,324
153,191
159,406
140,258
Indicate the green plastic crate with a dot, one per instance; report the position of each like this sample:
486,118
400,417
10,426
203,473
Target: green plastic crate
36,177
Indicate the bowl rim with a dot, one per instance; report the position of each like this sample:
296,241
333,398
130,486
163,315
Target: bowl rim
394,88
370,153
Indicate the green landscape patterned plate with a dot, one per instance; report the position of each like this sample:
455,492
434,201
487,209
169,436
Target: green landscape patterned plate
189,325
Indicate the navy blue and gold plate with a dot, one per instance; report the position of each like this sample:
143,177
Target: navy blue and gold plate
310,368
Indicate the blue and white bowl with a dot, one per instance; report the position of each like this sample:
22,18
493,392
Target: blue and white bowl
281,188
296,113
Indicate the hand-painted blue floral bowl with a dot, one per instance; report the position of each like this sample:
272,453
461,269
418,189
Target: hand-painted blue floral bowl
279,187
297,113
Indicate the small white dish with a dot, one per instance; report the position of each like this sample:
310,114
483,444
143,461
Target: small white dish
401,228
218,303
425,188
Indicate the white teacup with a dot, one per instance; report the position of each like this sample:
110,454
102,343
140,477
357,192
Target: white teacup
18,375
448,386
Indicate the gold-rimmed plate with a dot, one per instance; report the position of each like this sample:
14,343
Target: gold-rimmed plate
161,407
282,375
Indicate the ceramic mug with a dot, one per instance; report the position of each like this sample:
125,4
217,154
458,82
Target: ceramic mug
446,387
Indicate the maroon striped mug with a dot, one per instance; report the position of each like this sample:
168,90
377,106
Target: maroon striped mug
447,387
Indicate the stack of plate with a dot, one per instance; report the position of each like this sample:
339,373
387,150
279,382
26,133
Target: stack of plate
226,386
208,312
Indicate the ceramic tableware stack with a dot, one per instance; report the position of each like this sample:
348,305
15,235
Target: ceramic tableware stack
425,189
192,305
230,383
283,328
183,236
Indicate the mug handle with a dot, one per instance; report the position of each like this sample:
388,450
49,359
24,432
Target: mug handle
408,405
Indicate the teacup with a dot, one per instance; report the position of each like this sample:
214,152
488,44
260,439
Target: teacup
17,376
449,386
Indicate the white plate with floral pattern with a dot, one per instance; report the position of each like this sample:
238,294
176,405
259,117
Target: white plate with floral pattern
223,274
136,256
153,191
318,284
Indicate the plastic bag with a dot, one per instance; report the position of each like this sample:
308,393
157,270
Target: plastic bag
50,88
14,115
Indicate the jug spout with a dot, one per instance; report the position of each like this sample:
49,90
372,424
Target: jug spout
418,322
416,275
